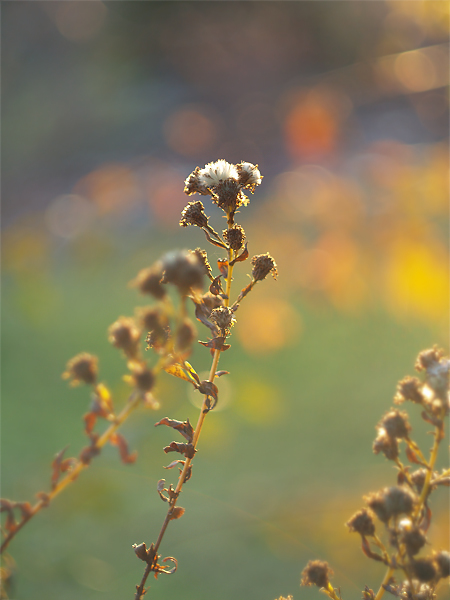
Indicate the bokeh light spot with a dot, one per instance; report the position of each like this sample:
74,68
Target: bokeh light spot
69,215
80,21
189,131
267,325
415,71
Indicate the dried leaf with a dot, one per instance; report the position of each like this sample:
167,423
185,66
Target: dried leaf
209,389
118,440
187,449
243,256
191,371
184,427
365,546
174,568
161,487
174,463
223,267
215,242
177,371
216,286
244,292
220,373
216,343
177,512
90,419
25,508
412,456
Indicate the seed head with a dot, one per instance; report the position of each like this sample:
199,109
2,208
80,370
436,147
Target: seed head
203,259
215,173
396,424
249,175
409,388
316,572
184,270
424,569
125,334
235,237
82,368
362,522
442,560
429,358
148,281
391,502
263,264
194,214
143,378
228,196
385,444
413,539
193,185
223,318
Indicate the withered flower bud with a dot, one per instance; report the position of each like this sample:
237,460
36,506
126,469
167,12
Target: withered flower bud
362,522
194,214
263,264
124,334
249,175
428,358
149,281
228,196
141,551
385,444
235,237
152,319
185,335
413,539
203,259
82,368
396,424
442,560
223,318
409,388
183,269
143,378
316,572
193,185
424,569
391,502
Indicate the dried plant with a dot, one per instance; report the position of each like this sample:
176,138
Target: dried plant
402,512
170,333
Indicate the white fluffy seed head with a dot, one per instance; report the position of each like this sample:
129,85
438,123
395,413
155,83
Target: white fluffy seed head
217,172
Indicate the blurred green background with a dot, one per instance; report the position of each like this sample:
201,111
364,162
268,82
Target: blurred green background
107,107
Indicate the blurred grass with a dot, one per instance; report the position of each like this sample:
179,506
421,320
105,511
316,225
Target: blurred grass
278,472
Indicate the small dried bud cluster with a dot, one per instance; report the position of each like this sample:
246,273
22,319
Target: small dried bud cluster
148,281
362,523
225,183
184,270
82,369
125,335
391,502
194,214
317,572
263,264
223,318
235,237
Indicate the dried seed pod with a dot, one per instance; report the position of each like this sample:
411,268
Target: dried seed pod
235,237
184,270
125,334
148,281
409,388
316,572
194,214
82,368
362,522
395,424
263,264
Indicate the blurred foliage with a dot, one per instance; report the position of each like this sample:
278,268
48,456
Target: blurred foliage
106,109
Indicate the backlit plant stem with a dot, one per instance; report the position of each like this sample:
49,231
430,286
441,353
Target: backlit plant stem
133,402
